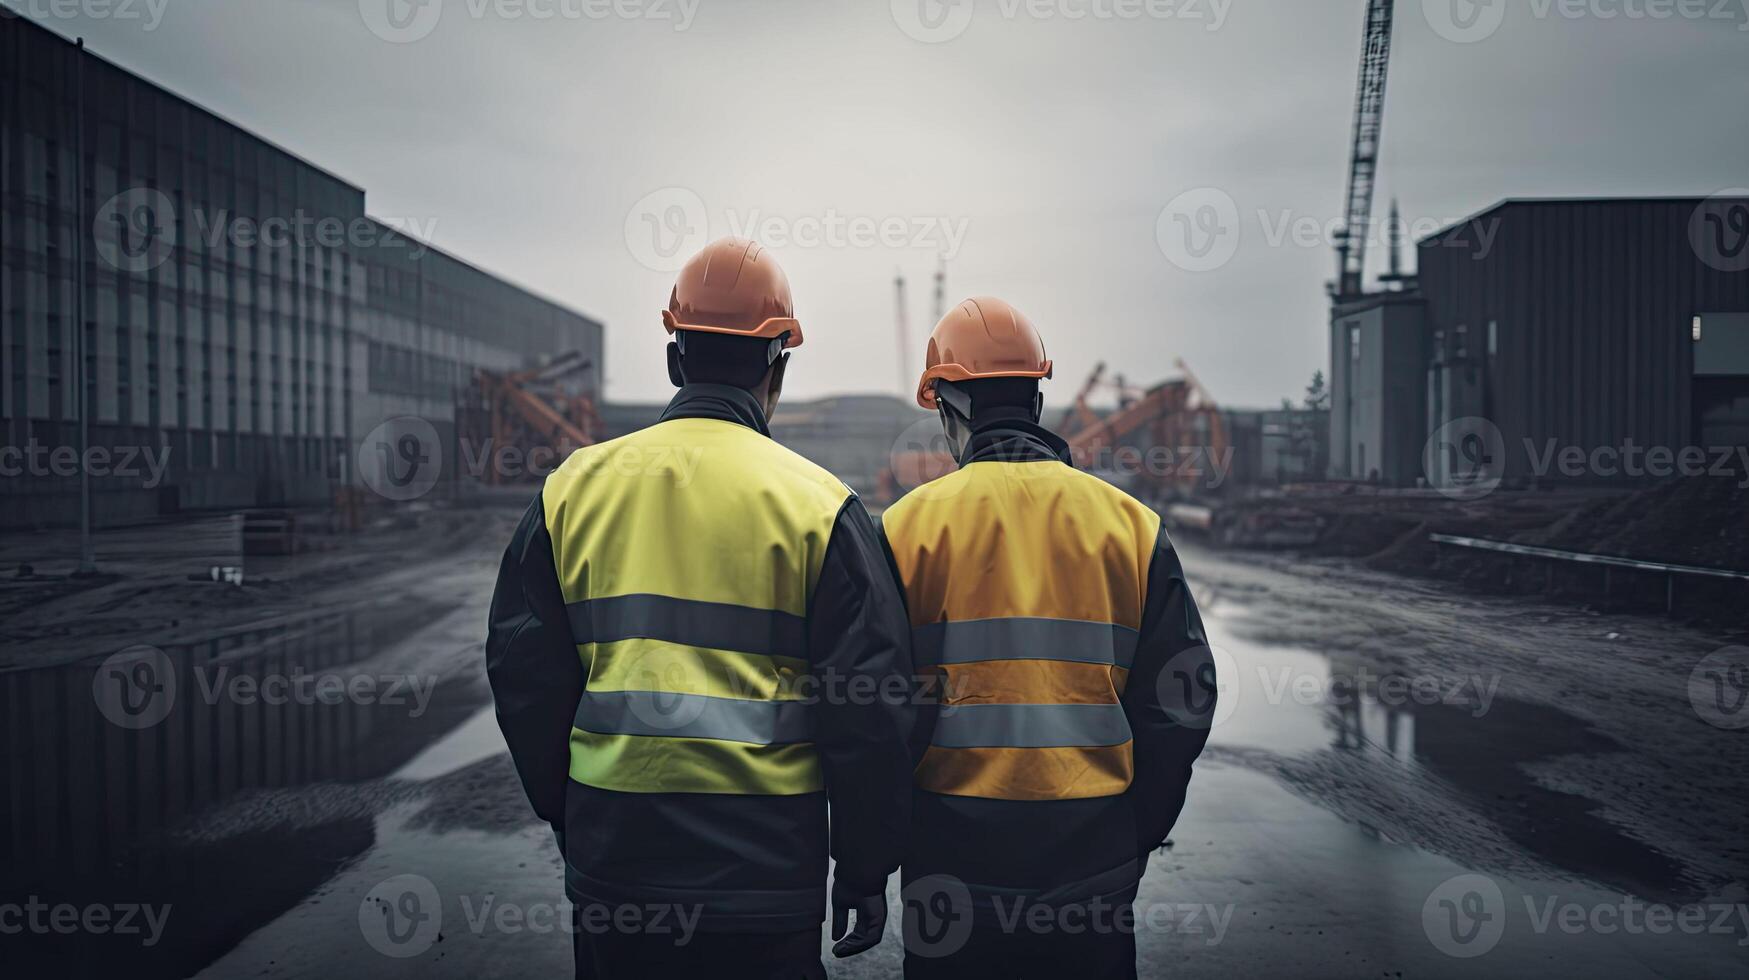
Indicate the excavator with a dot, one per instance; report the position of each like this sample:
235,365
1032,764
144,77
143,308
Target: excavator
1178,416
529,410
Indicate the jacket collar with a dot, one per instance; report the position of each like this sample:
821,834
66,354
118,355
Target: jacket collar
1014,441
725,403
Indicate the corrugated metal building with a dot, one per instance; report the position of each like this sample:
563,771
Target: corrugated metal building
249,364
1580,324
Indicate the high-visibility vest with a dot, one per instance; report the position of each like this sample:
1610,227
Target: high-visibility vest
686,555
1025,583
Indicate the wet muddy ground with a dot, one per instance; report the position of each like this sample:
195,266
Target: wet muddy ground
1402,780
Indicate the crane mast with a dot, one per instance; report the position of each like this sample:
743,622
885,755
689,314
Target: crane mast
902,323
1369,111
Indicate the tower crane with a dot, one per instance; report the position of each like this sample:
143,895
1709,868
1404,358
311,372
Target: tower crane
1369,113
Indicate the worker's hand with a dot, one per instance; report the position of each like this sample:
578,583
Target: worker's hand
871,920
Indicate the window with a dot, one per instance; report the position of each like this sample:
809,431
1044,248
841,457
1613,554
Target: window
1697,329
1493,337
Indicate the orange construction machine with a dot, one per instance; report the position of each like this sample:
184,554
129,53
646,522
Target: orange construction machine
532,413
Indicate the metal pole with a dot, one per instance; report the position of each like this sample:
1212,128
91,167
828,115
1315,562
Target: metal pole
87,556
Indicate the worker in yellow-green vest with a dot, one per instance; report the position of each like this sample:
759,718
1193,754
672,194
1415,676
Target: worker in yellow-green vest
693,648
1074,686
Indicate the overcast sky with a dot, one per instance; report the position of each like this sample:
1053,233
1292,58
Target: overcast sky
583,154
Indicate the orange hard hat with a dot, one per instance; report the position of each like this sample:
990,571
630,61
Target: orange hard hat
733,287
982,337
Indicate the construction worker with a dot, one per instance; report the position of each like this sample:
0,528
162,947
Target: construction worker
692,646
1075,686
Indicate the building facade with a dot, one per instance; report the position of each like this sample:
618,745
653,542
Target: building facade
1595,328
245,322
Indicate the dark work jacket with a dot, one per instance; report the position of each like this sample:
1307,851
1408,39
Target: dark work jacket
751,856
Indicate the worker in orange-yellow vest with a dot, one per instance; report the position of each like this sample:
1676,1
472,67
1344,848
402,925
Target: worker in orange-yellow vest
691,648
1074,684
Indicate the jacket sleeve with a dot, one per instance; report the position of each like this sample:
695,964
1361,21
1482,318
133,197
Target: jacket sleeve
532,665
1169,698
859,640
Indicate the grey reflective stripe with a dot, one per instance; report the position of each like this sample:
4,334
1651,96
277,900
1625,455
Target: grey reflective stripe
1030,726
1021,638
687,621
694,716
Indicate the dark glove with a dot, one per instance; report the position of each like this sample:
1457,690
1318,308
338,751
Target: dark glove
871,919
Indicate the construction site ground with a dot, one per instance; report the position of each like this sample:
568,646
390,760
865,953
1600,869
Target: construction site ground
1562,759
1694,522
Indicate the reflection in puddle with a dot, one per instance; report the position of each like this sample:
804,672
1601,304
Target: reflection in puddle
1317,715
475,739
94,804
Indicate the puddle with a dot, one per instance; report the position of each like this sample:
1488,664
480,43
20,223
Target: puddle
1372,726
100,778
475,739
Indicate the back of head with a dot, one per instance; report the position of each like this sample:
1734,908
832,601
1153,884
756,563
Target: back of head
731,315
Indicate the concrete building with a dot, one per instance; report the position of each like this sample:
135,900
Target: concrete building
245,322
1572,326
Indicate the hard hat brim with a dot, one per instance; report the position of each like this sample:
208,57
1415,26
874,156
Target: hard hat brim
957,372
774,327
